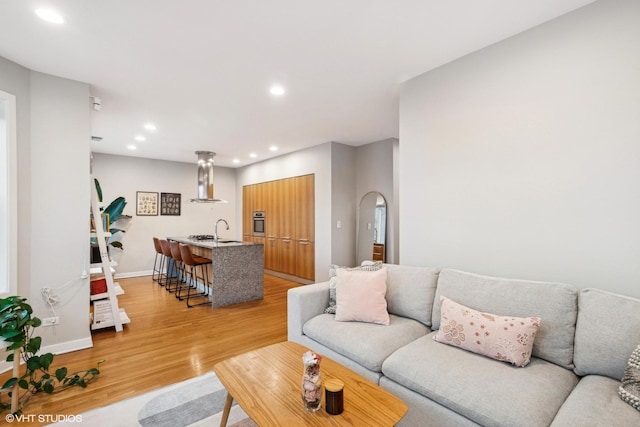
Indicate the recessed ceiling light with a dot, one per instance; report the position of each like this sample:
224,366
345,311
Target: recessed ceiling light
150,127
276,90
273,148
253,155
50,16
236,160
140,138
132,147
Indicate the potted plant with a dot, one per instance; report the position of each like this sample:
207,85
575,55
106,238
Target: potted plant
113,213
17,325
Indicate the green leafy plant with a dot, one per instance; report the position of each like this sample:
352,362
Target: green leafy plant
17,325
114,209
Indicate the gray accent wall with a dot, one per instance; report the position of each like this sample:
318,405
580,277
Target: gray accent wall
523,159
343,204
375,172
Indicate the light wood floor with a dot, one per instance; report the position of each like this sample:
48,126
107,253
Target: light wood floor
165,342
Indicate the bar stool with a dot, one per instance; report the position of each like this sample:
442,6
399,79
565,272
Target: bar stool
195,261
179,270
157,266
168,257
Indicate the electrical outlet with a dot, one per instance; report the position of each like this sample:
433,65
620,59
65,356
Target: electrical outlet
50,321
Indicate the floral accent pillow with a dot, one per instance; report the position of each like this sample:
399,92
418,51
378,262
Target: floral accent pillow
629,390
333,281
505,338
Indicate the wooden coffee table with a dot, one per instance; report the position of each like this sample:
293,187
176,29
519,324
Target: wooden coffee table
266,384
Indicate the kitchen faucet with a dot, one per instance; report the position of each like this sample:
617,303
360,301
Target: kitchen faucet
215,232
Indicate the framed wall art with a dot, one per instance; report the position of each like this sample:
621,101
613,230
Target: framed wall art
146,203
170,203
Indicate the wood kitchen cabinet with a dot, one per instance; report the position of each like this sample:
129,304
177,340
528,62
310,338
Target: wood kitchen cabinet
248,193
288,211
288,259
272,254
273,208
304,208
260,198
305,226
305,260
289,206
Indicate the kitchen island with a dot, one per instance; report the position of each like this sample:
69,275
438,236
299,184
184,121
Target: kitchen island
237,268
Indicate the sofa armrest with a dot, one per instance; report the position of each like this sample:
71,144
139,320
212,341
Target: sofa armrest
304,303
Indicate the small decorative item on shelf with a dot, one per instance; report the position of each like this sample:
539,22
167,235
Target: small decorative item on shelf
311,381
98,286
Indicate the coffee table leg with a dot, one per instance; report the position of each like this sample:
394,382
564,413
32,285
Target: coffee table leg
225,412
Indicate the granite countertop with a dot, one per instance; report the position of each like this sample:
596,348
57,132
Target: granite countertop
210,244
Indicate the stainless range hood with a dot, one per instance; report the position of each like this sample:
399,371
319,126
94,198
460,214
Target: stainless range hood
205,178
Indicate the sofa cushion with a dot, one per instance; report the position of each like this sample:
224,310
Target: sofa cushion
607,331
594,403
360,296
331,309
366,343
410,291
555,303
505,338
484,390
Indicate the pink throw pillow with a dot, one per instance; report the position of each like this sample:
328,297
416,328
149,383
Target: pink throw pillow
505,338
360,296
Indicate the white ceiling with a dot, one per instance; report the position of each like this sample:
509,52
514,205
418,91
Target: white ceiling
201,69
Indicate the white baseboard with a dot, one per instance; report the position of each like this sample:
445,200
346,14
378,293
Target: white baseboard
65,347
133,274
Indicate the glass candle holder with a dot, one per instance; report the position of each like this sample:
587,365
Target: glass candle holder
311,381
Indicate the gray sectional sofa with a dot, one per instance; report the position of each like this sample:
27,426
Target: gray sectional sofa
579,354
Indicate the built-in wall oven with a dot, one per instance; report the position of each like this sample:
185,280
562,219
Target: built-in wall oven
259,219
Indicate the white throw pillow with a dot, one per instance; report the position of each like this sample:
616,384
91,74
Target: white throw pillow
377,265
360,296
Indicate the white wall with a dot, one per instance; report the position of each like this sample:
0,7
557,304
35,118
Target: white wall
124,176
60,134
53,194
523,159
16,80
395,221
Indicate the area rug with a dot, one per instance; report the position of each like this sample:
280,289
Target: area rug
195,402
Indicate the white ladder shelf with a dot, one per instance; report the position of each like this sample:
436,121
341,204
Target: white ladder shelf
106,313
